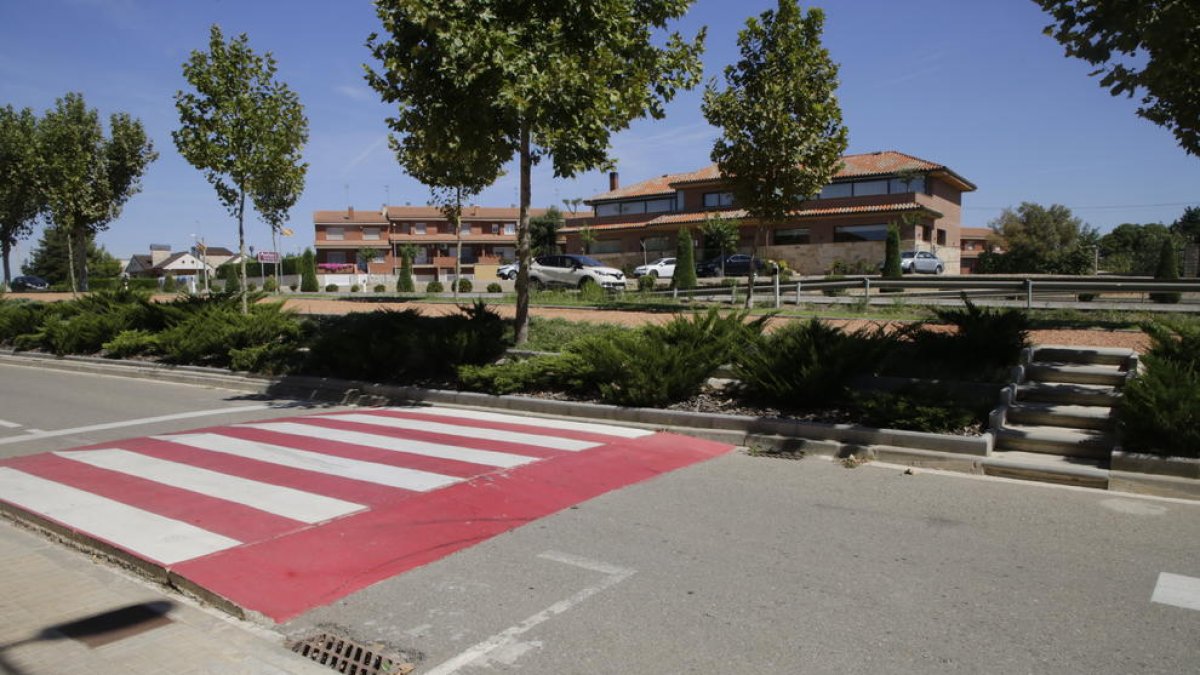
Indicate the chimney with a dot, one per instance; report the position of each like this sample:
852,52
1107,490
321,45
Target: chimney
349,213
614,180
159,253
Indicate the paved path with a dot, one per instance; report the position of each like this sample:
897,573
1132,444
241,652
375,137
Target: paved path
281,516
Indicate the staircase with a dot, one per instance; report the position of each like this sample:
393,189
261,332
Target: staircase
1057,413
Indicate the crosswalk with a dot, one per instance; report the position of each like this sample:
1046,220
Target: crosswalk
209,503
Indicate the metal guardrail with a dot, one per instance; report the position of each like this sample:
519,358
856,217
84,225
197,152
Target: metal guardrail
941,287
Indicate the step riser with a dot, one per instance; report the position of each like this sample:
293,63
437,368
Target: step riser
1052,376
1080,358
1088,450
1060,398
1048,419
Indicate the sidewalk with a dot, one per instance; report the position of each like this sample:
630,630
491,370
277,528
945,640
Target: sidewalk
47,590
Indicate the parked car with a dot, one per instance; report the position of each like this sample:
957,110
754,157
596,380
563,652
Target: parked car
736,265
573,270
29,283
663,268
509,271
923,262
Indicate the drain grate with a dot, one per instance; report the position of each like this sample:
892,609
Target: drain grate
350,657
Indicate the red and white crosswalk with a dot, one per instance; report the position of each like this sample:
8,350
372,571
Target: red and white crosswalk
284,515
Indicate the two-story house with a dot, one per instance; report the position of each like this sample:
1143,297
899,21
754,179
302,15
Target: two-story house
489,236
844,226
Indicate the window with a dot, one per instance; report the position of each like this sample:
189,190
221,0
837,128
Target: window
658,244
860,233
897,186
418,228
370,233
335,234
603,210
941,237
609,246
632,207
510,228
495,228
834,190
718,199
660,205
336,257
866,188
465,227
795,235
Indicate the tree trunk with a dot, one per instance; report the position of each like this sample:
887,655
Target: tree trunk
71,261
278,258
522,317
753,259
456,223
242,249
81,251
5,251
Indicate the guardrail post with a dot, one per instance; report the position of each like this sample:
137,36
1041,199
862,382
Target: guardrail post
674,293
866,289
1029,294
797,292
777,290
733,293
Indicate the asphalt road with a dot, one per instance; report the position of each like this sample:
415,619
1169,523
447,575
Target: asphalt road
745,565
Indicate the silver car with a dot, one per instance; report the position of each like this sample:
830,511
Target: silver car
923,262
575,271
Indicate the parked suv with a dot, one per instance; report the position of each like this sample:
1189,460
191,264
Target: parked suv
736,265
663,268
573,270
29,283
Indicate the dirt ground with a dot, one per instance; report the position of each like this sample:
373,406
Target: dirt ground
1135,340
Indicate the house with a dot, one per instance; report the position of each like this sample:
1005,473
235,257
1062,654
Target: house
975,240
842,228
161,261
489,237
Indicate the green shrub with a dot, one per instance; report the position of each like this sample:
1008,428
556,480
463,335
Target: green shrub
211,333
495,287
331,288
685,261
917,408
354,288
464,286
169,285
645,284
229,273
293,287
131,343
19,318
592,292
1168,270
561,372
404,284
270,285
434,287
806,364
380,288
405,346
308,272
84,324
1159,411
251,287
984,344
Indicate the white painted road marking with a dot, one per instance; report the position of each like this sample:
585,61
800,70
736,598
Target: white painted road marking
147,534
133,423
305,507
370,472
544,422
535,440
506,639
1177,590
10,425
486,457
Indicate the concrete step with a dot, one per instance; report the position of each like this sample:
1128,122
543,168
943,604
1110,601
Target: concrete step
1079,471
1041,371
1058,415
1067,394
1109,356
1055,441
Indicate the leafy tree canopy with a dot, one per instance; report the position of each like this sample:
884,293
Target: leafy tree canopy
1133,249
1188,225
1147,48
49,259
543,231
21,194
1040,240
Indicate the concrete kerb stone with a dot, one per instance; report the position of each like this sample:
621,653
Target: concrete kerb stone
1145,463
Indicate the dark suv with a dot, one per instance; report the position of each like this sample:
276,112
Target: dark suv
29,283
736,265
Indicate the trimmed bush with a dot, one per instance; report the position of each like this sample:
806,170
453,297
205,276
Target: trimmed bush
685,261
169,285
645,284
270,285
380,288
917,408
229,273
331,288
984,344
464,286
405,283
308,272
1168,270
354,288
435,287
495,287
1159,410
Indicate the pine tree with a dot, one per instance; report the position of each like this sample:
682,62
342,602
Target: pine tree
308,272
405,283
1168,270
230,274
685,262
50,259
891,256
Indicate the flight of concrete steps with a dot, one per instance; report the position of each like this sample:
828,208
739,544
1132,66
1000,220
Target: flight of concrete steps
1058,410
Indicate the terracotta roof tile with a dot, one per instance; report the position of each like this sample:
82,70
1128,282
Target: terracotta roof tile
363,217
469,213
700,216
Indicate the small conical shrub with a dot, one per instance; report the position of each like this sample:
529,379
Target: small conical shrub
685,262
1168,270
308,273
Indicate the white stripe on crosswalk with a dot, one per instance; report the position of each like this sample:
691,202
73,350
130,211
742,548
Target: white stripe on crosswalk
486,457
282,501
544,422
147,534
535,440
353,469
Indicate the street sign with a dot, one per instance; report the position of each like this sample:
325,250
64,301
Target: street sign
267,257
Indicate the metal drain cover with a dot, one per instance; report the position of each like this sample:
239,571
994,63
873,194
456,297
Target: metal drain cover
352,658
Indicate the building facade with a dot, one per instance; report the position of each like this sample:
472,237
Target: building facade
489,238
842,229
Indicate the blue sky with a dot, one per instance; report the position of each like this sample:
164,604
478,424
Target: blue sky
972,85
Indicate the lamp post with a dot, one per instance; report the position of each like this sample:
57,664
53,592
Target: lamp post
198,244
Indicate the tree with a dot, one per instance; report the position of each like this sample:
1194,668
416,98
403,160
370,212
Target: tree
405,283
543,232
685,261
1132,248
21,194
244,130
1149,48
230,274
51,258
587,238
365,256
573,205
722,234
308,272
891,255
539,80
782,136
1168,270
1188,225
1040,240
88,178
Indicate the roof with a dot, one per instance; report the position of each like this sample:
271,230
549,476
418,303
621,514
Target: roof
468,213
975,232
353,216
218,251
700,216
882,163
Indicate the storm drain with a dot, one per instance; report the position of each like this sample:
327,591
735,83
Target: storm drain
350,657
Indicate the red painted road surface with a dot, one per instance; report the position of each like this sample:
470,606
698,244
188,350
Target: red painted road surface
285,515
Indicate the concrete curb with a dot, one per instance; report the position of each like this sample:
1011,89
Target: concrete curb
967,454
